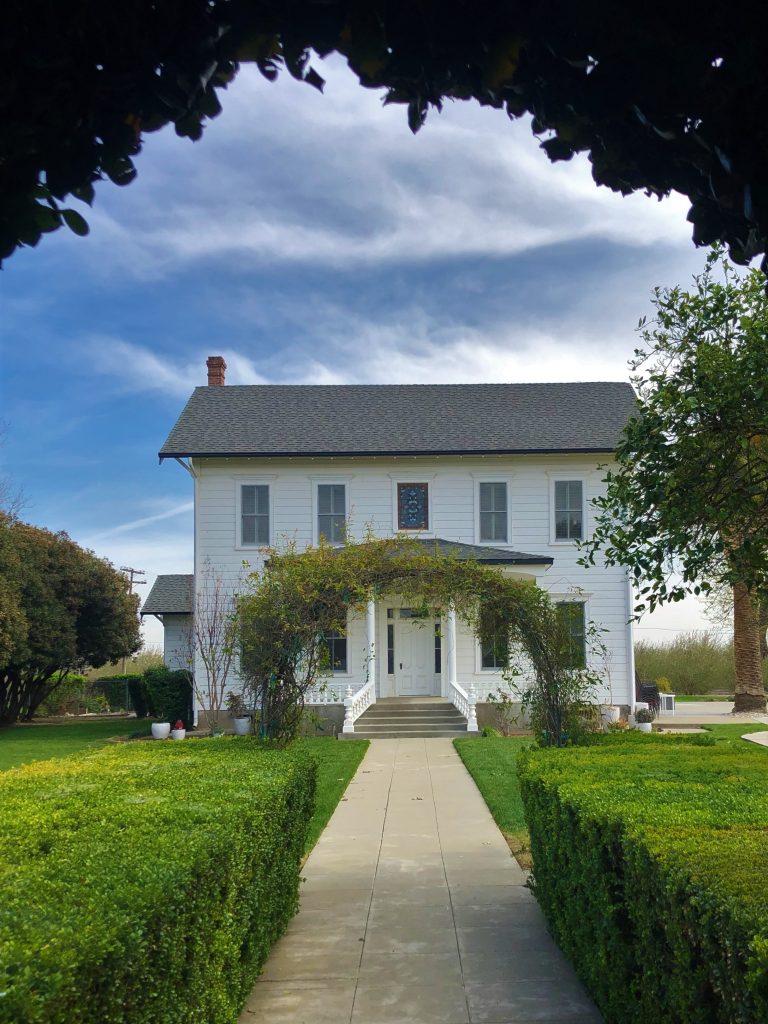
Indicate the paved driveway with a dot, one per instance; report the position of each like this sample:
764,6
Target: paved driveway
414,912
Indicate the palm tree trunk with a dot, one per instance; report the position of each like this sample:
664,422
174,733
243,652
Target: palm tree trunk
750,695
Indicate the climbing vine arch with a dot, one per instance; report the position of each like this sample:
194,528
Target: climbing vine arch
300,598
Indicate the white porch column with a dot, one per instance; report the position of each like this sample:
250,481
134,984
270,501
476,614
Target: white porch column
370,621
451,639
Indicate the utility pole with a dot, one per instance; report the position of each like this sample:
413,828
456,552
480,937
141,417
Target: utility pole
133,580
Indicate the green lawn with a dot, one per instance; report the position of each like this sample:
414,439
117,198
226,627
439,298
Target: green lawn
688,698
336,764
492,763
20,744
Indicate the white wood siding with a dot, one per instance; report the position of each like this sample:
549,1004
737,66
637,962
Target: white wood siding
370,507
176,640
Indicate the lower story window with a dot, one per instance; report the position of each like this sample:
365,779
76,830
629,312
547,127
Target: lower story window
572,616
336,645
438,650
493,653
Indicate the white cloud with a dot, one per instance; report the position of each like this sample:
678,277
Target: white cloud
138,524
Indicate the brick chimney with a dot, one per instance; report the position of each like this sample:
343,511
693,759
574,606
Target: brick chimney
216,367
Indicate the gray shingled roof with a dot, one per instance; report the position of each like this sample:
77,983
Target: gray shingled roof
170,595
393,419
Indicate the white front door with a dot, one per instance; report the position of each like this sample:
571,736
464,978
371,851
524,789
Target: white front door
416,653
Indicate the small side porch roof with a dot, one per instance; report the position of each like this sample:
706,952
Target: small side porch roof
170,595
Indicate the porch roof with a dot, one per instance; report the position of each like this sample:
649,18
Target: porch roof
170,595
482,553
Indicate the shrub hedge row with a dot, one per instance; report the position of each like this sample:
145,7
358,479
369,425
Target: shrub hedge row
147,883
650,865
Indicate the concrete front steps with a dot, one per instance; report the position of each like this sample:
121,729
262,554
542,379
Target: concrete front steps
409,717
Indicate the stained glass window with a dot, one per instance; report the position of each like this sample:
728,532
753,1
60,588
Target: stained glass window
412,506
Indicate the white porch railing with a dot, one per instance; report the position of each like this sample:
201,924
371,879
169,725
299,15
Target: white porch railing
464,702
356,703
324,695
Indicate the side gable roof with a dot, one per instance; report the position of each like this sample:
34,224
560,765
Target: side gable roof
170,595
400,419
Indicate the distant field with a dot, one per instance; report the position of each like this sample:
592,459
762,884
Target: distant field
690,697
20,744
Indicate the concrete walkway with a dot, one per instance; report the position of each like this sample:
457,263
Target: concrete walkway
414,912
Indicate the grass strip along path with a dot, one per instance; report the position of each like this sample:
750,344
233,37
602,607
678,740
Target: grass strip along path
492,763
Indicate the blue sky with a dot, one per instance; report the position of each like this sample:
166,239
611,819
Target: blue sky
308,238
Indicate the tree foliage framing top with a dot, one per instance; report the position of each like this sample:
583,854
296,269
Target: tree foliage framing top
661,97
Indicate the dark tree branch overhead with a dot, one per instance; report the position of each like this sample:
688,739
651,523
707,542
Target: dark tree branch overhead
662,97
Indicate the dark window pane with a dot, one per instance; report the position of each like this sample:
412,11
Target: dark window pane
390,648
571,614
412,506
438,651
254,518
569,512
493,653
331,509
337,651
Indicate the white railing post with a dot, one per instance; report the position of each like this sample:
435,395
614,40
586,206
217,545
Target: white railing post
349,717
472,715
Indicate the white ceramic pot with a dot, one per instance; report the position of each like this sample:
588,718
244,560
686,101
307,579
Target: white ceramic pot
242,726
178,734
161,730
610,713
644,727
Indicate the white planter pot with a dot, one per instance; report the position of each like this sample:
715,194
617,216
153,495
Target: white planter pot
644,727
242,726
161,730
610,713
178,734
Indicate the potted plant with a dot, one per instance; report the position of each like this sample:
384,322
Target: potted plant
643,719
238,712
161,730
610,714
178,732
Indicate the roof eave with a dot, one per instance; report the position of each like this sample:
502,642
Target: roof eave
603,450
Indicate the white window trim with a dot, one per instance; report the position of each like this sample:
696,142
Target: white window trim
348,674
479,670
414,478
316,481
554,478
240,481
499,478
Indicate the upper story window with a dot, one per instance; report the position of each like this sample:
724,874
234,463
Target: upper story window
572,615
569,510
254,514
413,506
494,510
331,512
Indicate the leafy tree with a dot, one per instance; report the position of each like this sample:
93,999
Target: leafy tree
659,99
690,492
61,608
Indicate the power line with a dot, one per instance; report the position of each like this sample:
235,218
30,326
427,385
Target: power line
133,580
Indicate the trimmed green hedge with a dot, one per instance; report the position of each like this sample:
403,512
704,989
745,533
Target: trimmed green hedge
650,866
147,882
168,693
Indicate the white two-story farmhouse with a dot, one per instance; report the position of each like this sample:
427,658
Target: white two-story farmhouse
503,473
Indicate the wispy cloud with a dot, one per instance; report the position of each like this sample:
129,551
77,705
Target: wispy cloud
139,524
